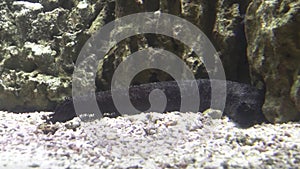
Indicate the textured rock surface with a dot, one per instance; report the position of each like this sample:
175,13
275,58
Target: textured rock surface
229,38
40,41
272,29
221,21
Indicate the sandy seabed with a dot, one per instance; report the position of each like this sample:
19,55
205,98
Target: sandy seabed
146,140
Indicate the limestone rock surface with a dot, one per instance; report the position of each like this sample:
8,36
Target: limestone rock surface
40,41
272,29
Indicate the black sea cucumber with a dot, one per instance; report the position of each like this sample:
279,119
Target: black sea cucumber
243,102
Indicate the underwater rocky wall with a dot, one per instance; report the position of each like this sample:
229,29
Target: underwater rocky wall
273,51
257,41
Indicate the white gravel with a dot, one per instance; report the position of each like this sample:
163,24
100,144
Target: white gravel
147,140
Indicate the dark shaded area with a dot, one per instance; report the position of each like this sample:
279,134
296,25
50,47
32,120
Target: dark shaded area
243,104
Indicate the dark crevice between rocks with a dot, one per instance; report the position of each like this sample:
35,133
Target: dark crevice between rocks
233,48
174,7
209,17
154,75
122,7
110,14
67,4
243,72
151,5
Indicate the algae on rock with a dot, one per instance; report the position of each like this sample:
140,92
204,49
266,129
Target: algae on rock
272,29
39,45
